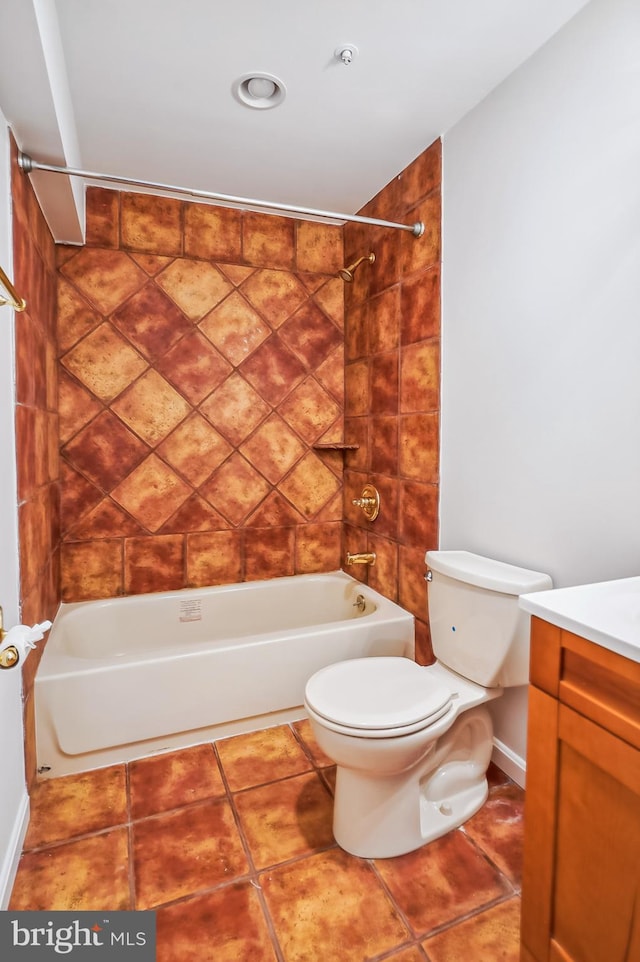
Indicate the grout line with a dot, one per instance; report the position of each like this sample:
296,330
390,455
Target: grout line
130,848
236,814
401,947
480,910
387,891
254,878
71,839
275,942
514,886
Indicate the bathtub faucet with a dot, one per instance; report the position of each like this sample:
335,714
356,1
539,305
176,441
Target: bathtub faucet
363,558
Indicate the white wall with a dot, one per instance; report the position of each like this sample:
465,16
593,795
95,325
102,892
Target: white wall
14,804
541,315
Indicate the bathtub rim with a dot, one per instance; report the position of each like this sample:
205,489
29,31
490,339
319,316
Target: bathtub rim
57,662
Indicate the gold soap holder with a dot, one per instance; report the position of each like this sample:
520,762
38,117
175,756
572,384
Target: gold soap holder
369,501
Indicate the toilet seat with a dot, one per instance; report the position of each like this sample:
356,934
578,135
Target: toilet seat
381,697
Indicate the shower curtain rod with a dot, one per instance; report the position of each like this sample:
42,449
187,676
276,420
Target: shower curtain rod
28,164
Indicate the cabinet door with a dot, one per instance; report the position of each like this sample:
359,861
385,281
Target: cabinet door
589,849
596,904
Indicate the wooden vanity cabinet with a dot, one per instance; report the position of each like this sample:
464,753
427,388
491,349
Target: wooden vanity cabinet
581,877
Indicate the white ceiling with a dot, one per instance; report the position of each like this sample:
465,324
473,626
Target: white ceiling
143,89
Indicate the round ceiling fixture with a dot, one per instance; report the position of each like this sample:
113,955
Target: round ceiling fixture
259,90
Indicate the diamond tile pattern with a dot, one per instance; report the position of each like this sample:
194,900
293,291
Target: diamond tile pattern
273,370
182,408
195,286
175,309
235,328
104,362
276,295
151,321
151,408
74,315
275,447
152,493
231,843
195,449
235,489
105,278
194,381
194,367
105,451
235,409
310,486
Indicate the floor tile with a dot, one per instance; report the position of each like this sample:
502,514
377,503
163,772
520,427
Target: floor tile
441,882
91,873
498,829
163,782
286,819
331,907
62,808
328,775
259,757
223,926
186,851
305,732
491,936
268,883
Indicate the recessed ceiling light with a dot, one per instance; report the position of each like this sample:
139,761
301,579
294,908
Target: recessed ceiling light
259,90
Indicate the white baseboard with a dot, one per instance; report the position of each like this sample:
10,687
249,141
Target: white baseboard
11,856
509,762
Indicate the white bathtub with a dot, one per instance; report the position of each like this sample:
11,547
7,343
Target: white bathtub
127,677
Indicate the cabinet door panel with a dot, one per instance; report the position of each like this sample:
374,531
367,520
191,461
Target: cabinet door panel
601,685
597,845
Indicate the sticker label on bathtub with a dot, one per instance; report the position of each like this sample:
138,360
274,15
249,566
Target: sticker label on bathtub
80,935
191,610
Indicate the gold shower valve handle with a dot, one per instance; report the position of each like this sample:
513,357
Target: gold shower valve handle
369,501
364,502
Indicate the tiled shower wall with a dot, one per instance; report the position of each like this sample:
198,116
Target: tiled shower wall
36,424
201,360
392,344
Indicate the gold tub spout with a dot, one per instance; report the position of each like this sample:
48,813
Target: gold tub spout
362,558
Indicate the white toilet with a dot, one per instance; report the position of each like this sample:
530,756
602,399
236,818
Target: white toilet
412,744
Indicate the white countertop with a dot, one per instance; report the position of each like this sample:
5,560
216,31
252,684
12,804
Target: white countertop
607,613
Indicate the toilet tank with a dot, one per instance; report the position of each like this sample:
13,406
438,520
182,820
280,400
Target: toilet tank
477,627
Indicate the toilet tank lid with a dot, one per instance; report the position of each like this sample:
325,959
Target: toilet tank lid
473,569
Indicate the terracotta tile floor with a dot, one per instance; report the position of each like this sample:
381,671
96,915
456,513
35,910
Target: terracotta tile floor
231,844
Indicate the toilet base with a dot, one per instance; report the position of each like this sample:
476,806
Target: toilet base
385,816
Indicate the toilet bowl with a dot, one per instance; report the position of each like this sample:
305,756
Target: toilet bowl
393,791
412,744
